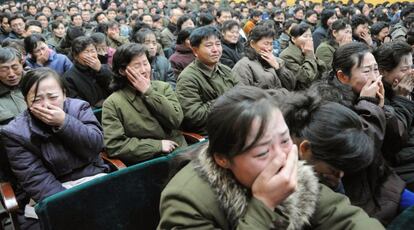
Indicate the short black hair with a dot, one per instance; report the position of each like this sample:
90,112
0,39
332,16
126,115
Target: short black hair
388,55
203,32
299,29
33,23
205,19
80,44
325,15
183,35
357,20
378,26
228,25
31,42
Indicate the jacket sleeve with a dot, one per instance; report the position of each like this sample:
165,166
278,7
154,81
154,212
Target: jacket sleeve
306,72
226,60
335,212
194,108
164,106
118,144
104,76
178,210
323,53
88,141
243,74
170,76
72,90
68,64
36,180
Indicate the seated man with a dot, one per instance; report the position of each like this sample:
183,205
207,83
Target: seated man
204,80
11,99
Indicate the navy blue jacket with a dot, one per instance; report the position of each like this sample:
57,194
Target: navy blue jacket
42,158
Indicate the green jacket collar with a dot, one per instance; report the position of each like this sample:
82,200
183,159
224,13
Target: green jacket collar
207,71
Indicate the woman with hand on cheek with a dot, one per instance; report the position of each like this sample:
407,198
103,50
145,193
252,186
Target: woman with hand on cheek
300,57
53,144
142,117
88,79
260,67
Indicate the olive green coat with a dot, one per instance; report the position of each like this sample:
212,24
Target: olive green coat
197,88
12,103
134,124
205,196
325,52
305,68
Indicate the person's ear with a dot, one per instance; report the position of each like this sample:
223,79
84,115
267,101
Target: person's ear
395,82
305,151
342,77
221,160
122,72
195,51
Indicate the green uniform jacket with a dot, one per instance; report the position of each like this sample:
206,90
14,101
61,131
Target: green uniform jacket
325,52
134,124
197,88
202,197
305,68
11,103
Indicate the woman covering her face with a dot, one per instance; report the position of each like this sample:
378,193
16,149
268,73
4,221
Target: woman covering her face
248,176
44,154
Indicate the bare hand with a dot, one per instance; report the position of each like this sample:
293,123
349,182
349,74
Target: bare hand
276,182
307,48
92,62
168,146
270,58
374,89
366,37
139,81
51,115
345,40
405,86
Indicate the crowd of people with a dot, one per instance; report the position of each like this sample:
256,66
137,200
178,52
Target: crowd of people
308,108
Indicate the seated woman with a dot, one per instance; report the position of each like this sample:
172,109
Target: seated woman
249,176
395,65
231,43
335,140
58,32
88,79
44,154
105,53
300,57
260,67
40,55
142,117
356,83
161,67
339,34
183,54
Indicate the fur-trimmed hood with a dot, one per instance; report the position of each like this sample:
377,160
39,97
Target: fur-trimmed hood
234,198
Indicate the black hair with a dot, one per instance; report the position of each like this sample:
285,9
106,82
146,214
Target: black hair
55,24
203,32
229,123
335,132
228,25
325,15
349,55
141,17
16,16
33,23
255,13
378,26
183,35
357,20
40,15
297,9
35,76
181,21
97,15
288,23
8,54
389,55
205,19
221,10
310,13
31,42
75,15
142,34
80,44
122,57
299,30
339,24
410,36
98,38
17,44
